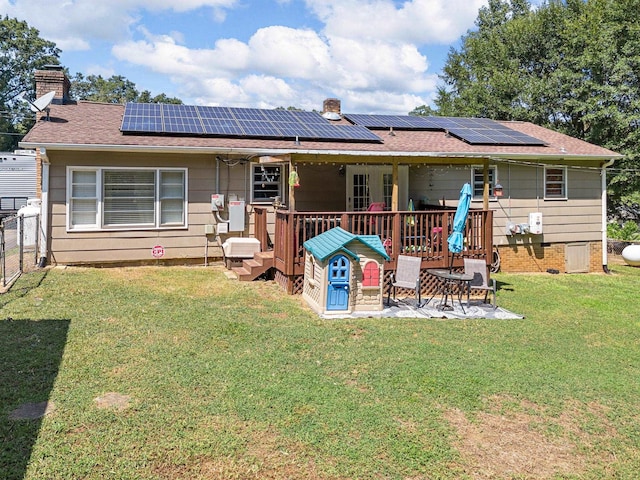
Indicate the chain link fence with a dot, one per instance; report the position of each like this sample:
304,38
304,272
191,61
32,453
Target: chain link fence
19,241
615,248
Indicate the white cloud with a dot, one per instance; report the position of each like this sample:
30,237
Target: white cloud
369,53
381,102
416,21
289,62
101,70
289,52
75,24
162,54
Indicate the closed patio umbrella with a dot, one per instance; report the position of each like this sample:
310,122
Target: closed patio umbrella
456,239
411,219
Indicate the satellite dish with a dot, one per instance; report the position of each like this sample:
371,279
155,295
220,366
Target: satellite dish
41,104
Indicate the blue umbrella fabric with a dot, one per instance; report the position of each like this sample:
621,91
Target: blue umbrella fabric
456,239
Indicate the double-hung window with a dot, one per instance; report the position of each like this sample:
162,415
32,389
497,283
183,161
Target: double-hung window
555,183
477,181
119,198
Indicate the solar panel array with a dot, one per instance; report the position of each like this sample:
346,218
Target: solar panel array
476,131
156,118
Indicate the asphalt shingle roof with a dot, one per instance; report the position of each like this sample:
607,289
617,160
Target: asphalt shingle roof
90,125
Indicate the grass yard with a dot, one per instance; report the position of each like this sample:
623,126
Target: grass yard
180,373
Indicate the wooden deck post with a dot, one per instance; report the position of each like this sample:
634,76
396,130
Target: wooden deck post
395,189
485,182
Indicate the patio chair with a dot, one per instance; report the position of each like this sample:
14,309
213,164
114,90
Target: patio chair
407,275
375,207
478,268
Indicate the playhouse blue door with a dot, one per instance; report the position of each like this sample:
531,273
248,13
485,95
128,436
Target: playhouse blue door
338,288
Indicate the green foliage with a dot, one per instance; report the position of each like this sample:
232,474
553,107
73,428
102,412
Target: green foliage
145,97
115,89
22,51
572,66
628,231
423,111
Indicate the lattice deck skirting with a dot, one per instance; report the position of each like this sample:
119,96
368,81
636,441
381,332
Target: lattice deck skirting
293,285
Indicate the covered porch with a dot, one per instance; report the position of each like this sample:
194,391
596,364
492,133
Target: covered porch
416,233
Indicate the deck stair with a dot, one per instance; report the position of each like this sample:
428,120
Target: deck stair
252,268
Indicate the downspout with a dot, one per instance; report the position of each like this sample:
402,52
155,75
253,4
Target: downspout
44,208
603,178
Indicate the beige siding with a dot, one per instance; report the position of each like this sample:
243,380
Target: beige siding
68,247
578,218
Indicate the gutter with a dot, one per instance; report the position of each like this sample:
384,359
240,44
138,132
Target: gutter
603,178
297,151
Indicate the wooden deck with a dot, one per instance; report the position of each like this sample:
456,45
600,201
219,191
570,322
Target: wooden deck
422,234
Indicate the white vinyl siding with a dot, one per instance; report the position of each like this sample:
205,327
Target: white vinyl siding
109,198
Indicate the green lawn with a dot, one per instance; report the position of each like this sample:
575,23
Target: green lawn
232,380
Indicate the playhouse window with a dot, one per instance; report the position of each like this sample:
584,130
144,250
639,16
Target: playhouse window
371,275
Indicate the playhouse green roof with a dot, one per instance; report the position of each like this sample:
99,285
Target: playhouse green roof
337,240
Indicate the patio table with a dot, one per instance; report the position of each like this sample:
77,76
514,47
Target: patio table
449,283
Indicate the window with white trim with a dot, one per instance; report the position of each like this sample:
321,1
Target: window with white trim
477,181
266,182
119,198
555,183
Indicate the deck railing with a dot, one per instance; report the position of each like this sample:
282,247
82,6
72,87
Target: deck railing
422,234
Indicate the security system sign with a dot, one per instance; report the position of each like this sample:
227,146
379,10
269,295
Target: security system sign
157,251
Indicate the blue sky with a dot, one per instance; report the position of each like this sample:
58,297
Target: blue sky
376,56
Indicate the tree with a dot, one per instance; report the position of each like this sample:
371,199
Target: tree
423,111
573,66
22,51
145,97
115,89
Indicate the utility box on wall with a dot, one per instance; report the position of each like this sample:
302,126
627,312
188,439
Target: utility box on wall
236,216
535,223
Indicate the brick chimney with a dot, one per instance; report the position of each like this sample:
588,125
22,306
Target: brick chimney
331,105
52,78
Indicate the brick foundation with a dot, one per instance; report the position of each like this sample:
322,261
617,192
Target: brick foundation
536,257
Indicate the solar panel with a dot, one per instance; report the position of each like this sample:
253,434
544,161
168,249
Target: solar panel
222,126
308,118
237,122
214,112
343,132
181,119
248,114
475,131
294,129
142,117
256,128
